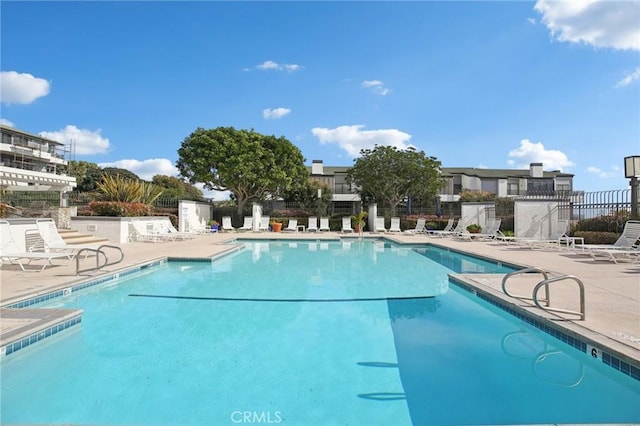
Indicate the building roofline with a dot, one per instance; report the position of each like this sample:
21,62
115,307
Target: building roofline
30,135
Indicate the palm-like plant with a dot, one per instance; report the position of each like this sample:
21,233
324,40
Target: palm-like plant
118,188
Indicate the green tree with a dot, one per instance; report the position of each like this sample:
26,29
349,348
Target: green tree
176,187
250,165
87,175
388,176
123,173
307,195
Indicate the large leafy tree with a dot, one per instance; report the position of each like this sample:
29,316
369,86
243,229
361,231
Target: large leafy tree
250,165
388,176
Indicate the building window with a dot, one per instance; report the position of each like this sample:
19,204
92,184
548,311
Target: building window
540,185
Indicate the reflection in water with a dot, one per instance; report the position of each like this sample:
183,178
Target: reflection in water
547,363
461,263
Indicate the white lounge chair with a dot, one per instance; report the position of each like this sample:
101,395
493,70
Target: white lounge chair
10,252
419,229
312,224
247,225
324,224
53,241
346,224
616,254
395,225
453,231
146,232
447,229
264,223
629,239
378,224
556,238
489,232
165,227
292,226
226,224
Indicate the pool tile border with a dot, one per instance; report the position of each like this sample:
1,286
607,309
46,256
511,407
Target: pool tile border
584,346
24,342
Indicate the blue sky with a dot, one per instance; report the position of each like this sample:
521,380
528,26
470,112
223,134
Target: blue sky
475,84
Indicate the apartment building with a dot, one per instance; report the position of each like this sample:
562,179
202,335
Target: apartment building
29,162
502,182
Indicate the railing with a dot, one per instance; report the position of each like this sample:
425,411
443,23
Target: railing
525,271
545,283
98,253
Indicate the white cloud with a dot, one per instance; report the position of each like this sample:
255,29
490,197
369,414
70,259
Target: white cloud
532,21
145,169
270,113
87,142
6,122
352,138
376,87
22,88
274,66
629,78
614,172
529,152
599,23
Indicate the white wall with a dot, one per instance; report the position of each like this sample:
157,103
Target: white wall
475,213
193,215
535,218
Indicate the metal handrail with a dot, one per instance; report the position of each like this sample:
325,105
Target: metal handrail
98,251
547,299
546,282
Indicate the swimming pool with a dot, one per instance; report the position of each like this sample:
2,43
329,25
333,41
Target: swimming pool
310,333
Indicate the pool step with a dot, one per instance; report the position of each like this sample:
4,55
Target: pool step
71,236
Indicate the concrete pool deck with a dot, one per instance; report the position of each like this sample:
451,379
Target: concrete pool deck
612,291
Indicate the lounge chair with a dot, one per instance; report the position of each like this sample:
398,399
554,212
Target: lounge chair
346,224
54,242
10,252
292,226
226,224
556,239
453,231
378,224
324,224
616,254
440,232
264,223
489,232
146,232
165,227
629,239
420,227
247,225
395,225
312,225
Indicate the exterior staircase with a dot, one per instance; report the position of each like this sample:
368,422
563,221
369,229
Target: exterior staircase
71,236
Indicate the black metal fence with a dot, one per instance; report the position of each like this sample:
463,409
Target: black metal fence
605,211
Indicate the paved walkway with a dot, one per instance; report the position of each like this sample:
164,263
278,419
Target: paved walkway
612,291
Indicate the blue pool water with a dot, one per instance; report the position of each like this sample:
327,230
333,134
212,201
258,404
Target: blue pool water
306,333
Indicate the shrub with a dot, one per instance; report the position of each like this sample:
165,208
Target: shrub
592,237
474,228
119,209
